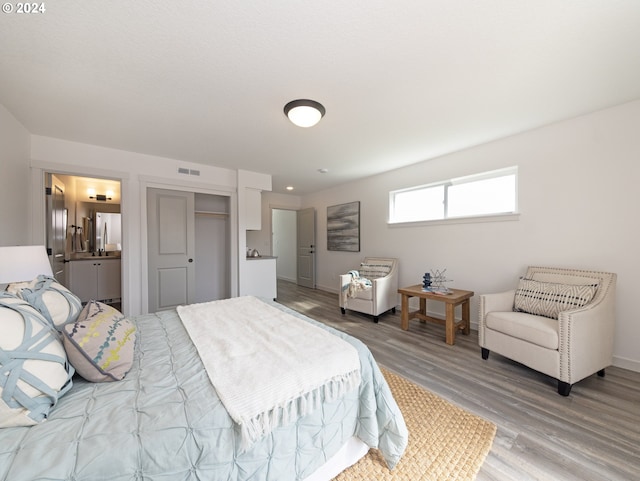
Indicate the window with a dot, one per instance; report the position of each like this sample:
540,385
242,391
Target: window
489,193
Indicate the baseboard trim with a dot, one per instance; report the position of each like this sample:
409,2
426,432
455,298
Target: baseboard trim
625,363
333,290
287,279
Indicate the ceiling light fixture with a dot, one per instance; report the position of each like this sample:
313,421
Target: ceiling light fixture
304,112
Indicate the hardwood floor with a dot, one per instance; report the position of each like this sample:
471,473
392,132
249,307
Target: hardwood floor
594,434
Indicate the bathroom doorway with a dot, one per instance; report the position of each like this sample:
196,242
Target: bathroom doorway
81,260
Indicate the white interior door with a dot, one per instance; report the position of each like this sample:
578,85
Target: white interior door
56,227
306,247
171,248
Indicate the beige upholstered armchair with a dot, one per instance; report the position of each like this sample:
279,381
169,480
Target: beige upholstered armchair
558,321
377,298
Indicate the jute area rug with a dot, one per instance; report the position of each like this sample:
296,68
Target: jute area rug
445,441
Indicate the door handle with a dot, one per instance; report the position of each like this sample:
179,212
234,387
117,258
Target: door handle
190,260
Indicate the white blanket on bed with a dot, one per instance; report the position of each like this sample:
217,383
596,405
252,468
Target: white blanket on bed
267,366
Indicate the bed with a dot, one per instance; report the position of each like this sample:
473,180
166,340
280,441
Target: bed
165,421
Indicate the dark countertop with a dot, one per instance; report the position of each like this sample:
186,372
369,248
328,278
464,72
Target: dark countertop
87,256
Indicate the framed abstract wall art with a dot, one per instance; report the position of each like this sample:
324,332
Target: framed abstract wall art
343,227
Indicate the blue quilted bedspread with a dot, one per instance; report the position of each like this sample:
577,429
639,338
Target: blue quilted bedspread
164,422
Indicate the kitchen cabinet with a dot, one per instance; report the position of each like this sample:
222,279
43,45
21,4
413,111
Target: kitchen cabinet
253,209
261,278
97,278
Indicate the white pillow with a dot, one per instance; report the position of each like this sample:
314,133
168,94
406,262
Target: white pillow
54,301
34,371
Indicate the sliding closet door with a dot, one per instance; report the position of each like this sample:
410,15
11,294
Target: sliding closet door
171,248
212,248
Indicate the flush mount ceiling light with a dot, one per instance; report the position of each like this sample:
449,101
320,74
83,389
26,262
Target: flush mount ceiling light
304,112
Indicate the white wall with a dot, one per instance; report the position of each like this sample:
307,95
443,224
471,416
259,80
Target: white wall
578,198
14,188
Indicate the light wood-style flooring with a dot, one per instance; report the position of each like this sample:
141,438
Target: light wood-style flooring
594,434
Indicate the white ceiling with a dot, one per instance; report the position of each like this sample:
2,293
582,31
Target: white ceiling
402,81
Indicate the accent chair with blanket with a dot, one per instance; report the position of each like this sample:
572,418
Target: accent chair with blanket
371,288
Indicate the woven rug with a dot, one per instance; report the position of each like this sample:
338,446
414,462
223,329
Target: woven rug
445,441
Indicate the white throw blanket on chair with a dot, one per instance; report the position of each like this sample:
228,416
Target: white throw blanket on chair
268,366
356,285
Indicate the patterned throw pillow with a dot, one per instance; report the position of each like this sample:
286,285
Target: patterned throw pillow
54,301
34,371
548,299
373,271
100,343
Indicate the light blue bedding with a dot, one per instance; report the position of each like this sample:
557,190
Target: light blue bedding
164,421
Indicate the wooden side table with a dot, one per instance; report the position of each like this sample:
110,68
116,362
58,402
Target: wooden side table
457,297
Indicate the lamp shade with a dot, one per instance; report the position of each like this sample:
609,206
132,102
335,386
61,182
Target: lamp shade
304,112
23,263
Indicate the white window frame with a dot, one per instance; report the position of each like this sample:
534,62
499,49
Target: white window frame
488,217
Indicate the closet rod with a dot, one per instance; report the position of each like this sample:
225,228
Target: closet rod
221,215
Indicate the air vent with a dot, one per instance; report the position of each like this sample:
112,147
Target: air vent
184,170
